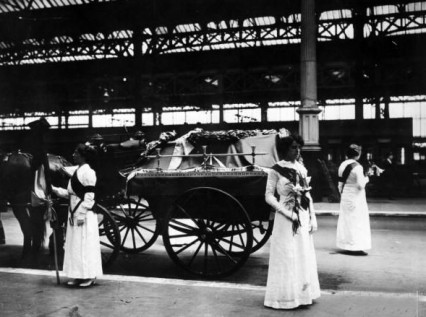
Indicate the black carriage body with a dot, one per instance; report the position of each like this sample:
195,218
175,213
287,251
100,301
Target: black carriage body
163,189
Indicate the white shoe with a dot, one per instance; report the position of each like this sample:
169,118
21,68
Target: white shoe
87,283
74,282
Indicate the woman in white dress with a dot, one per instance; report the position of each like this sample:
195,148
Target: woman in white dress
292,275
353,226
82,258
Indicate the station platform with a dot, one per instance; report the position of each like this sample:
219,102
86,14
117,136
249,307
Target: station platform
34,293
415,207
389,282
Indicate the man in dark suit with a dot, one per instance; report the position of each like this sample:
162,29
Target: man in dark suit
388,176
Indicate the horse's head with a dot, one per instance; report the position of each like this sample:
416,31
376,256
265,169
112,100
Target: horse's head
56,162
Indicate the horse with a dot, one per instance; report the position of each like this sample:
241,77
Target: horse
17,172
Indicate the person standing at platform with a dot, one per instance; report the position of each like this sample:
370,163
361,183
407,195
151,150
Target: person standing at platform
82,258
353,226
292,274
389,176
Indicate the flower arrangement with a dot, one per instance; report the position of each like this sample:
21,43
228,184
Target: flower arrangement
295,200
202,137
151,146
298,187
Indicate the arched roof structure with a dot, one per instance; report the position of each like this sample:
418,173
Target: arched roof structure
65,54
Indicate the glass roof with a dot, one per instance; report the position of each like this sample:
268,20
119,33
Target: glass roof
19,5
255,31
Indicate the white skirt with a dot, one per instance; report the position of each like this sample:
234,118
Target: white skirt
292,275
353,225
82,257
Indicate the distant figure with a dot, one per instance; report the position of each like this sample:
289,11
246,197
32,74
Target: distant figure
139,135
137,141
97,141
353,226
370,168
389,176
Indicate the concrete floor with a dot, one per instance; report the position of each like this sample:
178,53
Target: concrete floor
390,281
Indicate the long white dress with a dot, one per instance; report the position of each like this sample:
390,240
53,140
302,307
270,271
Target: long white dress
82,258
292,275
353,225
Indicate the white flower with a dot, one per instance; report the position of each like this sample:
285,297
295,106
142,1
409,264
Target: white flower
298,190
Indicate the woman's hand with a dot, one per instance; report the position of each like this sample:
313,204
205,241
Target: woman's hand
312,227
288,214
80,222
55,190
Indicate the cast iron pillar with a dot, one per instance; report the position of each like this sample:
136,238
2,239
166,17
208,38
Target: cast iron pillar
359,16
221,98
308,112
137,85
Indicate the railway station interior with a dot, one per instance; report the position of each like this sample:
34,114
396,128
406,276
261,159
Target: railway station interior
115,67
335,71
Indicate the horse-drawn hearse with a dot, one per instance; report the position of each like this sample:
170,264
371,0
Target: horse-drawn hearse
203,192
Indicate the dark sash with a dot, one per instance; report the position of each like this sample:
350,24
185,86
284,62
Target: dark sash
291,174
79,190
346,173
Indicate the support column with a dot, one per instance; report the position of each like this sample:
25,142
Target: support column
136,76
90,105
157,116
138,100
220,78
66,114
386,101
308,112
358,22
377,109
263,111
59,115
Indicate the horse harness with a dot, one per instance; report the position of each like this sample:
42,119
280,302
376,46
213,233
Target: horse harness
80,190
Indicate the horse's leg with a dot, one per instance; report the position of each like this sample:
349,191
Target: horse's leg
38,229
59,226
21,213
2,234
3,208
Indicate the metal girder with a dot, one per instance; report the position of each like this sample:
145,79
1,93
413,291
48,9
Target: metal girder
118,43
400,23
60,49
216,39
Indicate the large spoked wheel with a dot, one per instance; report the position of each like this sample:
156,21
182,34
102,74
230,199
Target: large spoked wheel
262,230
208,232
136,223
109,235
